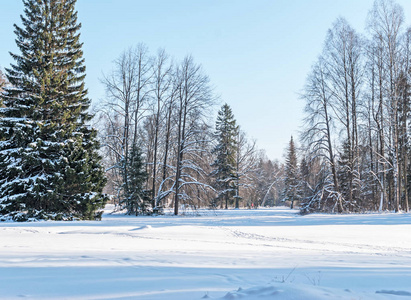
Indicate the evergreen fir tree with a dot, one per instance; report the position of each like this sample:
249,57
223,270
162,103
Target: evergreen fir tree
225,151
137,199
49,162
291,182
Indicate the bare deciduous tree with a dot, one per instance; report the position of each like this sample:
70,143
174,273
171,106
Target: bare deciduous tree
318,134
193,98
342,58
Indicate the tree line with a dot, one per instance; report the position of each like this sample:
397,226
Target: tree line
354,153
156,119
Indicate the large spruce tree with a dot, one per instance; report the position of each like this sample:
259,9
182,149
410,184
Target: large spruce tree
49,164
225,151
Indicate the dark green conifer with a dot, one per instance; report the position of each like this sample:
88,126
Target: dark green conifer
292,185
49,164
225,151
136,200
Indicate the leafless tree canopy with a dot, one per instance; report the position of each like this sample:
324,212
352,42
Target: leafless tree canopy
357,111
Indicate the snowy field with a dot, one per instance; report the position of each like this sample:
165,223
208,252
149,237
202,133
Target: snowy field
234,254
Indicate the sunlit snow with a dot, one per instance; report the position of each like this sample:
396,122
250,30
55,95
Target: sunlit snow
228,254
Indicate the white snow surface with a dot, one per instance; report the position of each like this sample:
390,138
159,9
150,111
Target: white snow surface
228,254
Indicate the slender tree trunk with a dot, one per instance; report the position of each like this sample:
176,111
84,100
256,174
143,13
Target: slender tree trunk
167,141
371,117
138,98
126,152
332,160
226,201
405,146
406,203
396,163
383,201
349,136
237,179
154,204
354,135
181,145
178,167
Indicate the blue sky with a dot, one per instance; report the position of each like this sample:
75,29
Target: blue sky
256,52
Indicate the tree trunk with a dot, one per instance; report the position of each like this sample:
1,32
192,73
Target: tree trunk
178,167
154,204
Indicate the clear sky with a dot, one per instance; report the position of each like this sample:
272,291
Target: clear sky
256,52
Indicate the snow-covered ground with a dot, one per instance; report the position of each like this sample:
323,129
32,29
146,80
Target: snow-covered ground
234,254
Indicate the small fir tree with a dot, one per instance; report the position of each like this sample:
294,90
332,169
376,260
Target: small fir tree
225,151
137,199
49,162
291,181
